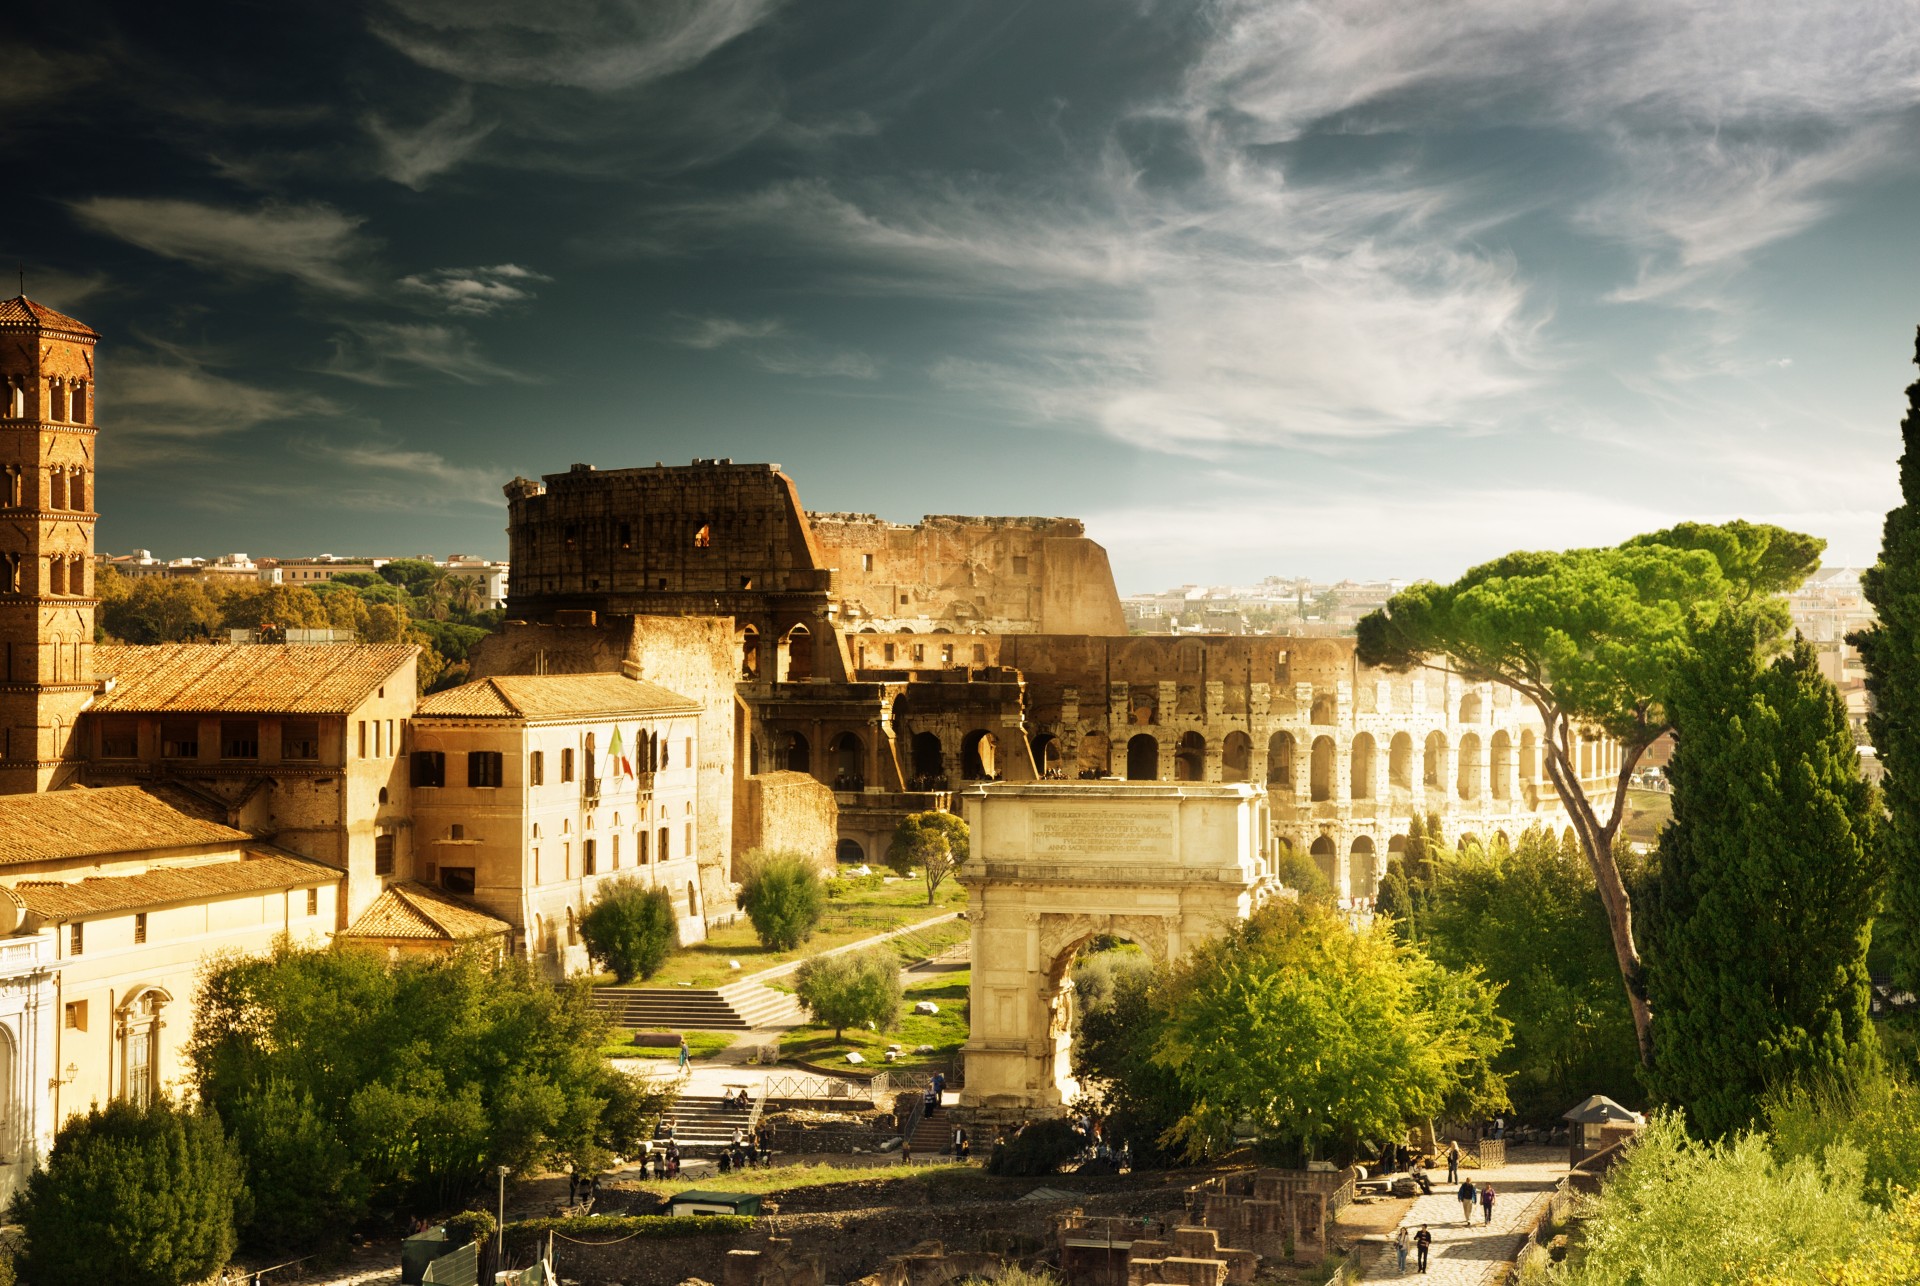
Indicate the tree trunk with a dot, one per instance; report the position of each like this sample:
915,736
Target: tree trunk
1597,839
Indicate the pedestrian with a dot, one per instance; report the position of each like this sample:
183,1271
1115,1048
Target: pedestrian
1453,1161
1401,1240
906,1150
684,1054
1499,1127
1486,1202
1423,1242
1468,1195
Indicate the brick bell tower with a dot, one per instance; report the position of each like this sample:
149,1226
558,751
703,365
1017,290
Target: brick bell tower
46,541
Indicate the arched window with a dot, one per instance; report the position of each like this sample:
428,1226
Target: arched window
1325,709
1500,767
78,410
1190,758
1046,754
138,1027
693,902
1143,758
1320,778
980,756
1529,758
1360,767
665,849
1236,757
57,399
797,754
56,575
1400,762
1470,767
849,851
1326,858
1280,760
1470,708
796,655
929,759
703,539
1434,769
1362,868
750,653
56,488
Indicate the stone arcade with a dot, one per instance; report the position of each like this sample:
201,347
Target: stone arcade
1054,866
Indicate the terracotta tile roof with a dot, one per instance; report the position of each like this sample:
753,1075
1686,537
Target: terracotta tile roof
418,912
95,823
21,313
554,696
59,901
244,679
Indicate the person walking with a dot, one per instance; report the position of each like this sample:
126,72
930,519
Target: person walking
1453,1161
1486,1202
684,1055
1468,1194
1401,1240
1423,1243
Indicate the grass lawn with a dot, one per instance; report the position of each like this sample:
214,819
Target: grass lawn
700,1044
1647,812
946,1031
860,913
785,1177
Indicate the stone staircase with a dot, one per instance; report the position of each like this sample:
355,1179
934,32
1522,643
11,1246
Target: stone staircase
740,1006
933,1135
701,1125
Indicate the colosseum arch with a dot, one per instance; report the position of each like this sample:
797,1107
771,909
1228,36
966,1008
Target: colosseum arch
1280,761
1236,757
1360,767
1400,762
1362,867
1500,765
1470,779
1434,763
1094,754
1327,858
1320,770
980,756
1326,709
1143,757
1471,708
1190,758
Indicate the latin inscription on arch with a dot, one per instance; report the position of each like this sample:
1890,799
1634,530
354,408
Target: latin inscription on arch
1104,831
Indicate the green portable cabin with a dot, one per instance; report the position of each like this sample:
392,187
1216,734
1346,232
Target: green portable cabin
714,1203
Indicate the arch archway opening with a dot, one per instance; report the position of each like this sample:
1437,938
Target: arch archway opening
1096,755
1360,767
1143,758
1469,780
1320,771
1046,755
1363,867
1280,761
1326,857
1236,757
848,755
796,755
850,853
796,655
1434,763
980,756
750,653
1190,758
929,762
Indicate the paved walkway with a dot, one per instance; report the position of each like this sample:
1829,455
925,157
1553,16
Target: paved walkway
1472,1255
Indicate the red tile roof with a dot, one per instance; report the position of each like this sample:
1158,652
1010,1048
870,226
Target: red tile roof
554,696
244,679
59,901
415,911
97,823
21,313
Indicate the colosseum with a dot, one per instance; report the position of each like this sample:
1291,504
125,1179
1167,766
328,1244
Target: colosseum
894,663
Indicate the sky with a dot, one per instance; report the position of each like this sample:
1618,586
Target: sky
1255,287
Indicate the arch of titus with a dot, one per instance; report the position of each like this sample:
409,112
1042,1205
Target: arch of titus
1053,865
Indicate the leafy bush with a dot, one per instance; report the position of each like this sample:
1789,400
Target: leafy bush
470,1225
630,929
850,989
1039,1148
134,1196
932,843
783,897
1876,1110
1300,872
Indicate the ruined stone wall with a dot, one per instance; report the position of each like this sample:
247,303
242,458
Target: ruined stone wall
787,812
999,575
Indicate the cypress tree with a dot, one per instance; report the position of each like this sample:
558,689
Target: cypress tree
1891,649
1765,884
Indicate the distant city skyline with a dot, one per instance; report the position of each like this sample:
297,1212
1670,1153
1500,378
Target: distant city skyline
1356,289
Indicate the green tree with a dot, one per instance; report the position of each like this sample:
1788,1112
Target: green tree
850,989
630,929
933,843
1531,918
1764,886
160,609
140,1196
1316,1032
1891,649
428,1071
1120,1028
1590,638
783,897
415,575
1301,873
386,624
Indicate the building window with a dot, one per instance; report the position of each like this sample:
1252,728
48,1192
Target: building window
979,653
616,852
689,849
180,739
76,1015
383,854
566,861
919,651
866,562
139,928
664,848
456,831
566,764
1019,565
484,768
313,901
239,738
946,653
457,879
587,857
703,537
393,745
76,937
889,651
300,739
688,757
537,769
119,738
642,837
363,738
626,535
429,768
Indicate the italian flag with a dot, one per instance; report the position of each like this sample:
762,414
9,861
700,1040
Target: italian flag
616,755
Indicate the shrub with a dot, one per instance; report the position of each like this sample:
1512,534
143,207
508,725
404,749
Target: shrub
630,929
1039,1148
784,898
850,989
470,1225
134,1196
933,843
1300,872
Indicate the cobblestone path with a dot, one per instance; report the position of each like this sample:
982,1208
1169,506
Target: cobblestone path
1471,1255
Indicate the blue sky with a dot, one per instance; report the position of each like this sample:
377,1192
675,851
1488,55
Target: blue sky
1349,288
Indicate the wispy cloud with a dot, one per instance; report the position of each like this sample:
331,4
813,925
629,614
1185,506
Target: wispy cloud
583,44
772,346
475,292
380,354
314,244
430,477
411,157
176,397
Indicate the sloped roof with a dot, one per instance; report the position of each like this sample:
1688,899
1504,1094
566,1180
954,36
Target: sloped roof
21,313
60,901
95,823
417,912
227,678
554,696
1598,1109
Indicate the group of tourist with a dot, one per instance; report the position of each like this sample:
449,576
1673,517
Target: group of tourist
752,1147
662,1161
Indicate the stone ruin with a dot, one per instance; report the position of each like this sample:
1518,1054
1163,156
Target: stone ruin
774,1264
1274,1212
931,1264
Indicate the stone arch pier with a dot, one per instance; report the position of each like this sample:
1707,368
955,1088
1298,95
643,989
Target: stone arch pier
1054,866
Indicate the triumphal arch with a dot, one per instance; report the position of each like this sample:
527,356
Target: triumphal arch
1054,865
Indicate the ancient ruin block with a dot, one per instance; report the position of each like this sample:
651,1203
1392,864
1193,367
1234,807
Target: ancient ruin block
1180,1270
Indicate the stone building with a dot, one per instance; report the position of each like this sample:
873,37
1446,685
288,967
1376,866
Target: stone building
895,663
529,791
46,544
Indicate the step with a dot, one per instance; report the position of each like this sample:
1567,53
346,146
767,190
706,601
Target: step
741,1006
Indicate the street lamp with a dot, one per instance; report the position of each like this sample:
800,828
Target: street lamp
500,1227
